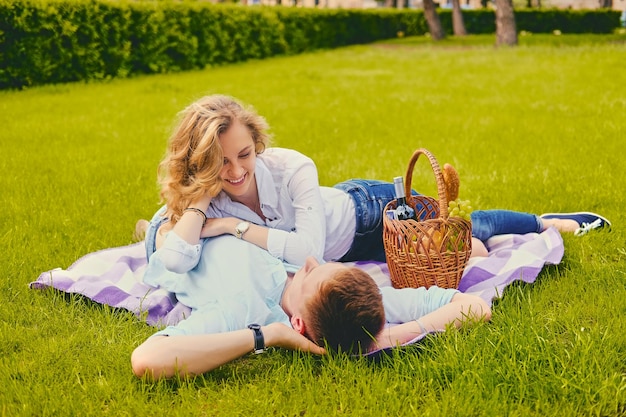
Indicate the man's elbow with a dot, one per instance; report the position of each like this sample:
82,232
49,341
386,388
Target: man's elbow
144,363
139,363
474,307
483,310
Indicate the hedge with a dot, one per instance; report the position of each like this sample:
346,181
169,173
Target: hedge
539,20
55,41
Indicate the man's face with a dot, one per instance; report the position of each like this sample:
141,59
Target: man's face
308,280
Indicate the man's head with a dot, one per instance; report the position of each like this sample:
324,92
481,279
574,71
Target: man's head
339,306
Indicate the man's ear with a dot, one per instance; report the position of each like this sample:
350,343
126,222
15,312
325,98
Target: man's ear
298,324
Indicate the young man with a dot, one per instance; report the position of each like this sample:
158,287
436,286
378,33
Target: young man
244,300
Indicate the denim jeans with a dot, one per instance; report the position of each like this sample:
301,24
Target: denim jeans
371,196
156,222
488,223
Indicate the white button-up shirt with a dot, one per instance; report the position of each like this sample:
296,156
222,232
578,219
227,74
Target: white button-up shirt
304,218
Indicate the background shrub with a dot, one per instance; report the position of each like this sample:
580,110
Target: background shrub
55,41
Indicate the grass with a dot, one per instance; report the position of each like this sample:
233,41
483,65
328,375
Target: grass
535,128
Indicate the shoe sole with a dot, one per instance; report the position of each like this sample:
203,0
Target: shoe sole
605,220
140,230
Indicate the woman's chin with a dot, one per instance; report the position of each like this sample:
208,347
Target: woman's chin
237,190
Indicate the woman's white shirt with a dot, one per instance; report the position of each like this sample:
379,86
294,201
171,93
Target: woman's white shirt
304,218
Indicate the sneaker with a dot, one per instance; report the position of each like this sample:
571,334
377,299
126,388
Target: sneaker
588,221
140,230
452,182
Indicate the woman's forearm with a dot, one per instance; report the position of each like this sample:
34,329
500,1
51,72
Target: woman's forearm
189,225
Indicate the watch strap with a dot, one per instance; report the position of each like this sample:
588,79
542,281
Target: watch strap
259,340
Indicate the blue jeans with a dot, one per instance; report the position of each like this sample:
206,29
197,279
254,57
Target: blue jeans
371,196
488,223
156,222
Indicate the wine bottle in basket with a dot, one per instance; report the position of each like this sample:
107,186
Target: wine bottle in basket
403,210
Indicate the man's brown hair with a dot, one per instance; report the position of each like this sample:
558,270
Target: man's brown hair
347,313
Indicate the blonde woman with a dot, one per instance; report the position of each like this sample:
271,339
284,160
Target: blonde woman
220,176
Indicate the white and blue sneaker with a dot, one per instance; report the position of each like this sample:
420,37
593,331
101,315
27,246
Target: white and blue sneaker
588,221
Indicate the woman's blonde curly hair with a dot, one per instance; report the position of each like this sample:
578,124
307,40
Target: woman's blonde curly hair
191,166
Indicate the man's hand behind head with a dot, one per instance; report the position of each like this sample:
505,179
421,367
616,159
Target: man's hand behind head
279,335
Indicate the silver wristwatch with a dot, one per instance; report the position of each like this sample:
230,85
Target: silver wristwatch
241,228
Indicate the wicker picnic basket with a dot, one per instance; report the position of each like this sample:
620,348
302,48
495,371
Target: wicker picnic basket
433,250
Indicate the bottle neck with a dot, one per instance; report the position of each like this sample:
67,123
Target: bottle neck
398,185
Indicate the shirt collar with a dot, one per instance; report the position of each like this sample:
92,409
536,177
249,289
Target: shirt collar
291,268
265,182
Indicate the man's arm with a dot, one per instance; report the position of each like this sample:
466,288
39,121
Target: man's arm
167,356
462,307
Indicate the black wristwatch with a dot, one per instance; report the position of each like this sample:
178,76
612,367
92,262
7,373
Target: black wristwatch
259,341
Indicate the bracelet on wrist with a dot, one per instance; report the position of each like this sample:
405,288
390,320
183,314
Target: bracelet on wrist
198,212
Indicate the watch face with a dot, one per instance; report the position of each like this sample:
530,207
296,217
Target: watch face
242,228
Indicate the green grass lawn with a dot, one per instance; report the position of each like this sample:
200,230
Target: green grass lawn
540,127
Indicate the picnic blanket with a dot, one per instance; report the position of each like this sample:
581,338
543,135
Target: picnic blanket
115,276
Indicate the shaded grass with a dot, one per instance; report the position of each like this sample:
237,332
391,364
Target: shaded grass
535,128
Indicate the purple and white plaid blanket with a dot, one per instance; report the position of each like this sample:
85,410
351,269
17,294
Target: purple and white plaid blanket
115,276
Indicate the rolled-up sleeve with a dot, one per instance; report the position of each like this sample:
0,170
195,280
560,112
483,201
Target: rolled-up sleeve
178,255
309,235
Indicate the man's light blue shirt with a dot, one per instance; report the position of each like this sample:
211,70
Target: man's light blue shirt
236,283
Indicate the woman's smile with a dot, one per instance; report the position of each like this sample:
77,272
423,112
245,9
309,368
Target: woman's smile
239,162
238,181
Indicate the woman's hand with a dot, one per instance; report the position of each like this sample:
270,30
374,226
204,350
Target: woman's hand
256,234
279,335
219,226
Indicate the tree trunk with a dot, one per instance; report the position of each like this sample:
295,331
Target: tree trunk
432,18
506,32
458,26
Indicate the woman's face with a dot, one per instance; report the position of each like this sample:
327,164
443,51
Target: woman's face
239,161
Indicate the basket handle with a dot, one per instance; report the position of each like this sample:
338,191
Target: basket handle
441,186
